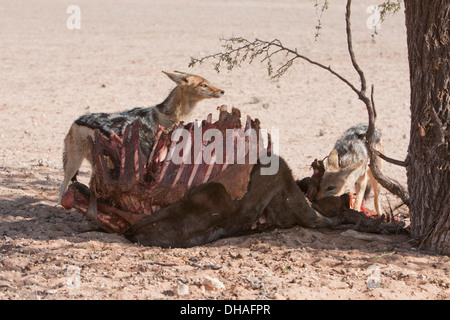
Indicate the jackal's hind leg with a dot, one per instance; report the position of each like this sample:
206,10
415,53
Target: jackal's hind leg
376,192
71,165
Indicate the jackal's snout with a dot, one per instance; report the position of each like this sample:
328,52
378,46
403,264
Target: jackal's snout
217,92
209,91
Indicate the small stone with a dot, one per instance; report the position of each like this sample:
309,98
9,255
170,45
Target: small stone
182,289
213,284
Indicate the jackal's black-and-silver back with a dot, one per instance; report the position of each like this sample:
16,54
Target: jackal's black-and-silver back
347,167
351,146
190,90
116,122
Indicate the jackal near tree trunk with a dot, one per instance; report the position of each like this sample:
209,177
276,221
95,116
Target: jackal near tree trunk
347,167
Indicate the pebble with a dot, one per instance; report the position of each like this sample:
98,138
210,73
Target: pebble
182,289
213,284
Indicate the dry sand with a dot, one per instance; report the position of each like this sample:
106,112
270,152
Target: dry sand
50,75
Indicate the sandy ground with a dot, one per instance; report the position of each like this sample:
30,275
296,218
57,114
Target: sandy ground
50,75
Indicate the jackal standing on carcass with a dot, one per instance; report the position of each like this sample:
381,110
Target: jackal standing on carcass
347,167
178,105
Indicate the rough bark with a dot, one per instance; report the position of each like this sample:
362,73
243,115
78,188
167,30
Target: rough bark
428,170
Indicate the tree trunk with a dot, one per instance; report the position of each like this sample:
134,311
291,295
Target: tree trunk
428,170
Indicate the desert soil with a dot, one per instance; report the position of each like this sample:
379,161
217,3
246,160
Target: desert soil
50,75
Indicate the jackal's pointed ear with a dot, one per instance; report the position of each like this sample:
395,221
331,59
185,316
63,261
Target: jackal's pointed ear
185,73
333,160
177,77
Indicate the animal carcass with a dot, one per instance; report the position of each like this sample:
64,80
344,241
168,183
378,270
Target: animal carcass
200,182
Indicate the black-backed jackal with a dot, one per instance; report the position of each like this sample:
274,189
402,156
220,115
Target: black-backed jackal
347,167
190,90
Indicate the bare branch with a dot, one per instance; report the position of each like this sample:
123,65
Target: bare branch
297,55
258,47
350,47
372,101
387,159
248,51
390,184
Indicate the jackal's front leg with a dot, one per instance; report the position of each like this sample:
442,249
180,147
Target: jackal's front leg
361,185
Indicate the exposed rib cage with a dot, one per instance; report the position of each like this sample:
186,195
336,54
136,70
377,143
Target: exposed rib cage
129,184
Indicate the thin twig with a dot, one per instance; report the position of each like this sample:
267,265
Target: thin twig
164,264
257,44
348,83
372,101
205,266
387,159
350,47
